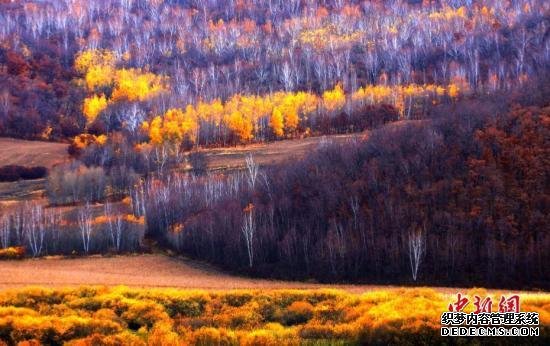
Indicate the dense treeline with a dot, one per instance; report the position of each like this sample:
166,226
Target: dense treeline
37,97
30,229
462,199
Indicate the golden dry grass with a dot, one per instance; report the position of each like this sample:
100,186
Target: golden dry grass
157,270
149,270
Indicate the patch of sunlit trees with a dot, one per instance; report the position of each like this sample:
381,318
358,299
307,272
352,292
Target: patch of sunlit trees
97,66
121,315
216,51
102,77
136,85
93,106
174,126
282,114
320,38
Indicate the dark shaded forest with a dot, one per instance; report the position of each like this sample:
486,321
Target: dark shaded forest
462,199
446,183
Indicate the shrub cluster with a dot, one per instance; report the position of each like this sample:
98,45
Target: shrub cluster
111,316
15,173
15,252
77,183
74,182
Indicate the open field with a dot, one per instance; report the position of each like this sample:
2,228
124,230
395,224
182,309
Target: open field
28,154
31,153
149,271
270,153
153,270
22,190
47,154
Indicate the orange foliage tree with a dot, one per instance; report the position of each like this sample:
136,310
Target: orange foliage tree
174,127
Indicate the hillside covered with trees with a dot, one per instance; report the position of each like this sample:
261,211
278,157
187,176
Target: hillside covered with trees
217,72
446,182
460,200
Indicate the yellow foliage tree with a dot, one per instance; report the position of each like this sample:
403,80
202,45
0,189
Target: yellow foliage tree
291,106
240,125
174,127
247,116
98,66
84,140
453,90
93,106
154,130
334,99
276,122
136,85
94,57
99,77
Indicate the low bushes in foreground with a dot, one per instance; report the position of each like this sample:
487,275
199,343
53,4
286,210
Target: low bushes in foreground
109,316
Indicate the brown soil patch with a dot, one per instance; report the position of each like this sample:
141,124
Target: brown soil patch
31,153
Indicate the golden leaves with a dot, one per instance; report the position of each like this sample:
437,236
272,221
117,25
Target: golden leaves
16,252
240,125
396,94
283,112
334,99
101,75
137,85
276,122
166,316
94,57
93,106
84,140
174,126
97,66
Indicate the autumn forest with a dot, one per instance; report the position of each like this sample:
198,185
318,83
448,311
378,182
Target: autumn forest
329,142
